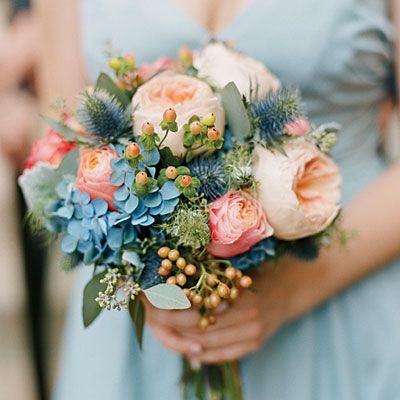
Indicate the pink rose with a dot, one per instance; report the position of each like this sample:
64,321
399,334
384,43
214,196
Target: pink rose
300,192
187,95
163,63
50,149
299,127
237,222
94,174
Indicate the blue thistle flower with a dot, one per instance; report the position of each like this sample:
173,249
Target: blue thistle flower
210,172
270,115
101,114
150,276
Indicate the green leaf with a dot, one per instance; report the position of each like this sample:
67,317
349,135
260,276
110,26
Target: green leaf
106,83
183,170
137,313
69,164
235,112
68,133
167,297
168,157
90,308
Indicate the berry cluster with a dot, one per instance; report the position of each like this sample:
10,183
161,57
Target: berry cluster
206,285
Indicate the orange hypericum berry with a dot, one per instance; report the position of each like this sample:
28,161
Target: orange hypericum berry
173,255
171,280
187,292
245,282
163,272
239,274
171,172
223,290
213,134
181,279
169,115
234,293
132,151
212,319
197,300
167,264
212,280
208,119
230,273
141,178
207,302
181,263
215,300
195,128
148,128
186,180
203,323
190,270
163,252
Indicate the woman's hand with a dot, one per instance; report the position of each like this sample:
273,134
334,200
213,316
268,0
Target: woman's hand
278,296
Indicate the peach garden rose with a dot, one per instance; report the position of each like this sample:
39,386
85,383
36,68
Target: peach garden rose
300,192
94,174
237,222
187,95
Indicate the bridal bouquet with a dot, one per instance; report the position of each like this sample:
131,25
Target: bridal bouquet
174,179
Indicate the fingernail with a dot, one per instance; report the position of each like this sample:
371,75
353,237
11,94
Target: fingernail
195,348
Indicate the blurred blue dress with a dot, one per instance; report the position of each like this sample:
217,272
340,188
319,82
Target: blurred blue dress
339,52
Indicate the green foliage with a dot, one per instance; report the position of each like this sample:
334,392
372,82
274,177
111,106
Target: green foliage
90,308
235,112
190,191
168,158
149,142
143,190
137,313
69,261
167,297
188,226
106,83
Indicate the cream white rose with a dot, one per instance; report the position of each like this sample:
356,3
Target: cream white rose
300,193
220,65
188,96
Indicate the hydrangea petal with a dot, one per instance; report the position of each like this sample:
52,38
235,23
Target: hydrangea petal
152,200
66,211
131,204
121,194
88,211
69,244
100,207
169,206
169,191
114,238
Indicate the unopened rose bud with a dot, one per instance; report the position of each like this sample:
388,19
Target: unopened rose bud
195,128
132,151
208,119
169,115
141,178
148,128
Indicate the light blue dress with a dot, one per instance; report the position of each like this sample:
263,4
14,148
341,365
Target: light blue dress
339,52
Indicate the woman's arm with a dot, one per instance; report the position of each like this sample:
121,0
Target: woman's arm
60,65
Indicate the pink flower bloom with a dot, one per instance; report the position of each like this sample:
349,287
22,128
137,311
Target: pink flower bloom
94,174
299,127
237,222
50,149
163,63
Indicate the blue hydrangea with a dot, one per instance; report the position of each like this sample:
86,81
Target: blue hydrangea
88,228
141,211
259,253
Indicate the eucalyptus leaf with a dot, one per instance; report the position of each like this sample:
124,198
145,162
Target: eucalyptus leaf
235,112
69,164
106,83
90,308
137,313
64,130
167,297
